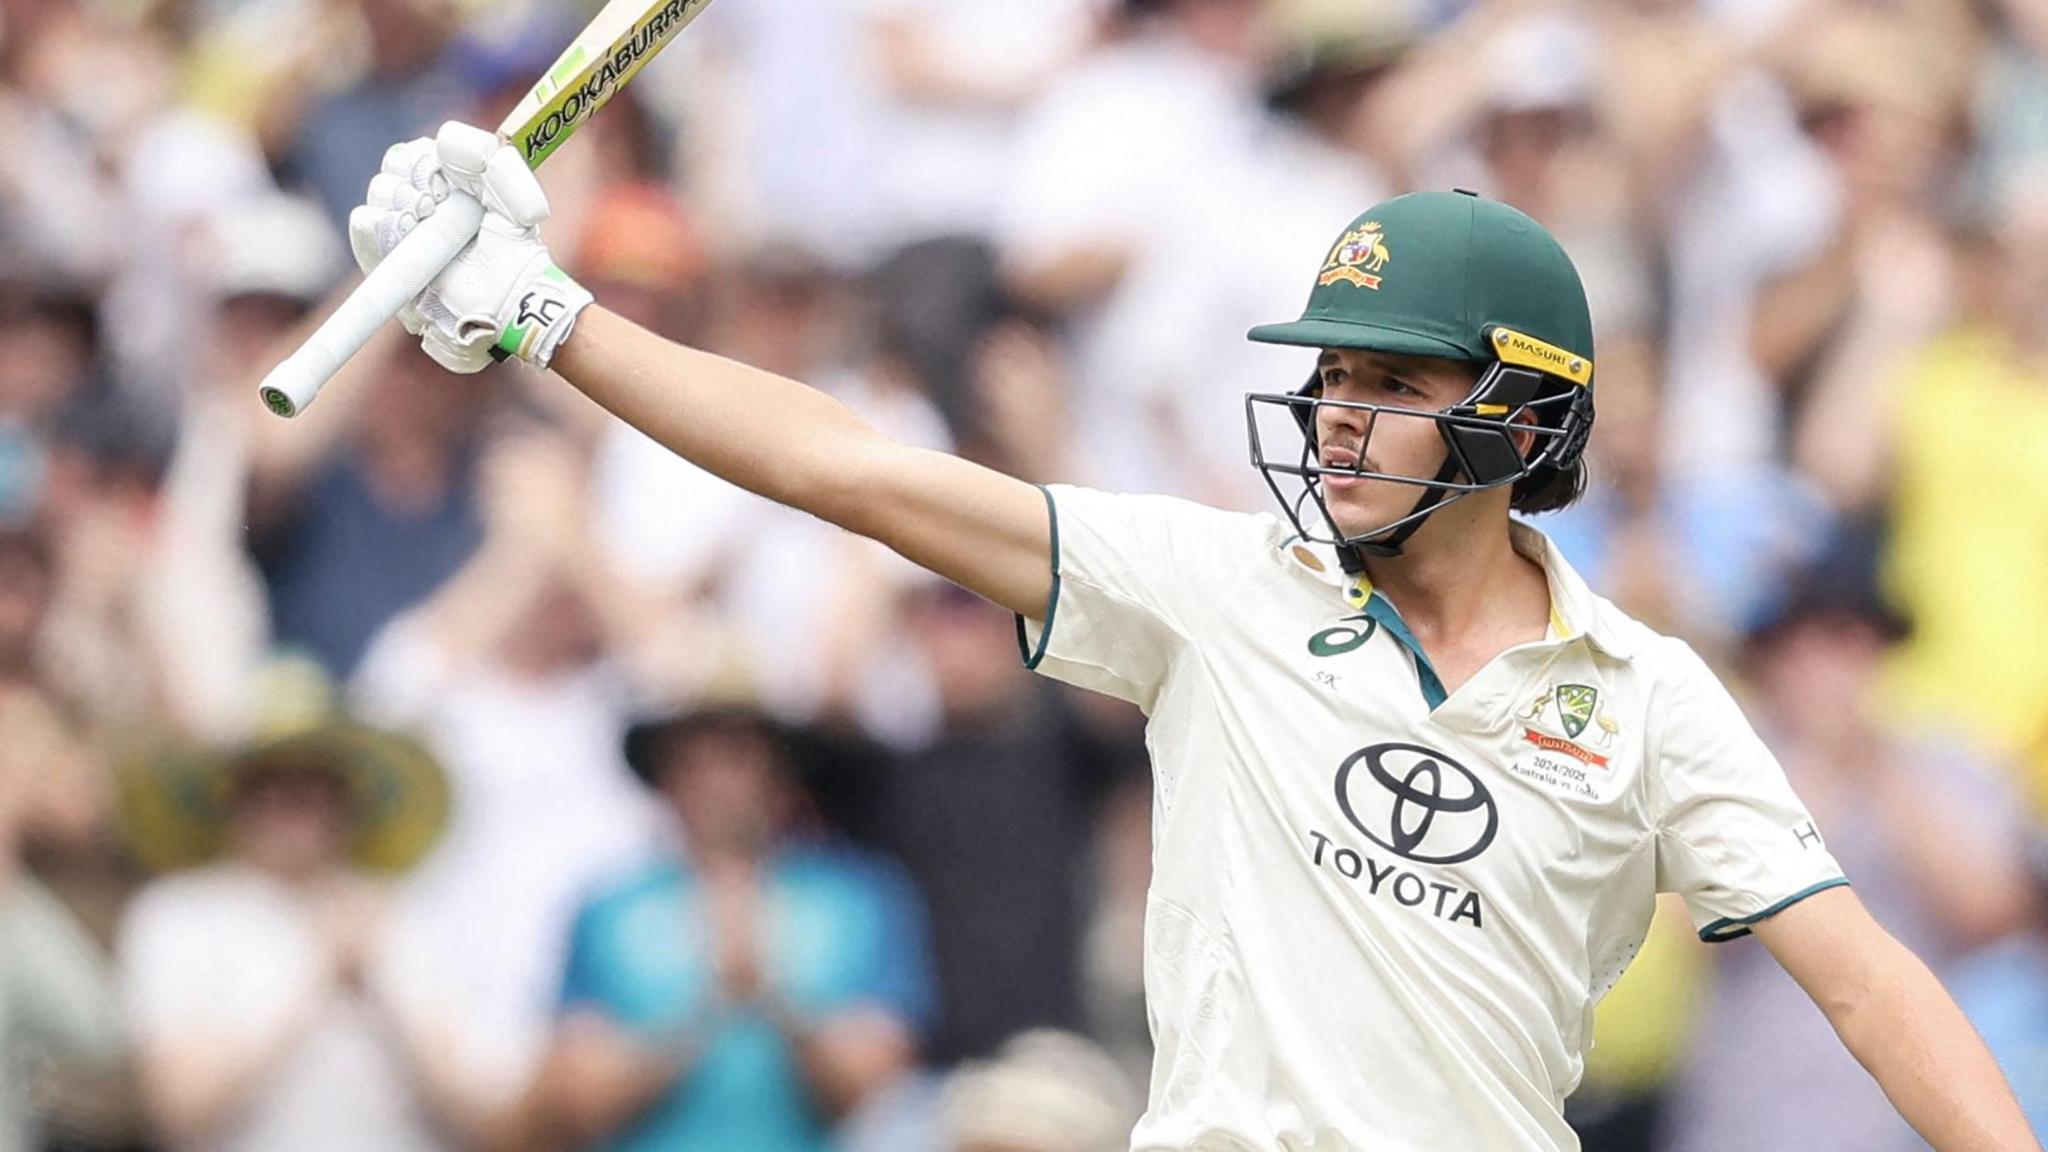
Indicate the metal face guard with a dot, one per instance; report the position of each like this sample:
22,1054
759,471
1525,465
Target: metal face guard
1478,435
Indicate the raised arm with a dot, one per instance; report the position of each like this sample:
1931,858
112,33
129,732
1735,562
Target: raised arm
797,446
793,444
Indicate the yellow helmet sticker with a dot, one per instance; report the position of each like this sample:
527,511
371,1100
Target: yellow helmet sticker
1513,347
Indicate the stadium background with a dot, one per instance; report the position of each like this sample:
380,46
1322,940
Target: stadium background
1815,234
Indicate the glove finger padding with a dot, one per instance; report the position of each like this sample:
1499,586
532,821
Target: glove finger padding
464,149
491,170
402,208
510,189
418,163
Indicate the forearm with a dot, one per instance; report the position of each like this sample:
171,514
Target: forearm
1913,1039
797,446
847,1059
483,602
439,1073
594,1080
770,435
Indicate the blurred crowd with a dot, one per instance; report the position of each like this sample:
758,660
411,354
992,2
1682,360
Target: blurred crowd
451,768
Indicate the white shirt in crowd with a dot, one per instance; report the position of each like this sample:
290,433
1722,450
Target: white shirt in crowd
228,957
950,161
1374,924
544,810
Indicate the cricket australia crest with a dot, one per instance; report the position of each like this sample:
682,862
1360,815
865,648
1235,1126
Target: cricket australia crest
1575,703
1357,258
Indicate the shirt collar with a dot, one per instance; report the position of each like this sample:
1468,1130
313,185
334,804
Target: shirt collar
1575,612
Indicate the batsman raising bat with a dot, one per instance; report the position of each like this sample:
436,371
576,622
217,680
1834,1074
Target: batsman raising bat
1417,788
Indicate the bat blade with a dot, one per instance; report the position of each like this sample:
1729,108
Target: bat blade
611,49
616,44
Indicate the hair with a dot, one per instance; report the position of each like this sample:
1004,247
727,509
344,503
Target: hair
1549,488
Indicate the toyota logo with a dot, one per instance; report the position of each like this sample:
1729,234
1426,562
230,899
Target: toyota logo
1418,803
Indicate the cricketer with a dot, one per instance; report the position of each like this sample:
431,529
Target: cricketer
1417,788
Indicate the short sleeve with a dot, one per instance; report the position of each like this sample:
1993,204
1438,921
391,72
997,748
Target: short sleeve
1732,837
1133,578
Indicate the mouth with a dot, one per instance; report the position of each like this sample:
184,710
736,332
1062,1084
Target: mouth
1337,460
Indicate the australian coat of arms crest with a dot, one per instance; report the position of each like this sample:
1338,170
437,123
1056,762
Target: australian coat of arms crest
1357,258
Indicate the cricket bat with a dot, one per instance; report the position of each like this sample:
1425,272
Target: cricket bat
615,45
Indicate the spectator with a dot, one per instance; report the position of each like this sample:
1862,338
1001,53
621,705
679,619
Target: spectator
205,600
274,1002
52,365
409,88
748,992
1124,170
1954,442
520,673
1009,896
678,531
954,77
56,998
56,990
368,506
1930,832
40,748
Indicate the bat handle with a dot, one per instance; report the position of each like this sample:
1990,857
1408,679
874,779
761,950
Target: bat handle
402,275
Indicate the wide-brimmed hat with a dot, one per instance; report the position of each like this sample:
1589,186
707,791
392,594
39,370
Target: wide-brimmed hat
834,771
652,740
175,804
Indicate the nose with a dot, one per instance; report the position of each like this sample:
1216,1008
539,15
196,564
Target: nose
1337,421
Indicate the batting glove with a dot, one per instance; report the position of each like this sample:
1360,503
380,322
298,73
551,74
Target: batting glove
503,296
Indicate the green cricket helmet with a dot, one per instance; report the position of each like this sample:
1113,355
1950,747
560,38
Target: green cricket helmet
1451,275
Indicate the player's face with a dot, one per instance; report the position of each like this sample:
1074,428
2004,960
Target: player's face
1397,446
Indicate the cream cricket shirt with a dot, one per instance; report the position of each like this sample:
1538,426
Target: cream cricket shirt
1379,918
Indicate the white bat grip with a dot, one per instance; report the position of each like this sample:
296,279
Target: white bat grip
402,275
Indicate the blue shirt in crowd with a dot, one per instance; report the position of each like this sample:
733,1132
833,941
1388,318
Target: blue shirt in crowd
840,929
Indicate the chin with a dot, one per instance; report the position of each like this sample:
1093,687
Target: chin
1356,512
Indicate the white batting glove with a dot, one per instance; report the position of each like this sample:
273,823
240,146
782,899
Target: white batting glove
503,296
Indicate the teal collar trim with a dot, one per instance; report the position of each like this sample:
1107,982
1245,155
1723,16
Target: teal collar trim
1381,611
